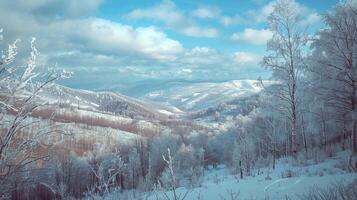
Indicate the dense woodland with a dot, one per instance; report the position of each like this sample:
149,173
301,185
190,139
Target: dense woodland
309,112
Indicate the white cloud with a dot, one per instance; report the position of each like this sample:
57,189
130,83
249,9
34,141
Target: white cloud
54,8
312,18
246,58
168,13
210,12
262,14
199,56
187,70
184,72
205,61
205,58
102,51
114,37
206,12
252,36
85,42
231,20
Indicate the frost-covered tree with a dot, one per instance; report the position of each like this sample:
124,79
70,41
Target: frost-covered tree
334,65
243,155
19,86
106,165
270,135
189,164
69,173
134,168
169,177
286,59
158,146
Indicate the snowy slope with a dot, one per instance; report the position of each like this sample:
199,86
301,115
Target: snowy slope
108,110
218,183
104,101
198,96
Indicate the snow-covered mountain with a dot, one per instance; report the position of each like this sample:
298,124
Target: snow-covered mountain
111,110
196,105
200,96
106,102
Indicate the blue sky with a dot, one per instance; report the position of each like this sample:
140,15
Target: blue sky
113,43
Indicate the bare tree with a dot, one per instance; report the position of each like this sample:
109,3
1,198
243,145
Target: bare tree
20,144
286,46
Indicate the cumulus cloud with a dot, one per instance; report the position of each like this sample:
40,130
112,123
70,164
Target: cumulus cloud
54,8
172,17
231,20
206,12
199,56
261,15
64,37
211,12
111,37
247,58
252,36
205,58
185,72
101,51
312,18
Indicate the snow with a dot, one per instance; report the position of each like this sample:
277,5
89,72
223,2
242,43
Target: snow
199,96
82,131
217,183
154,94
165,112
94,100
174,109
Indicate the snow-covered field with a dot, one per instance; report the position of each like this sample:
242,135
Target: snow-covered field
269,184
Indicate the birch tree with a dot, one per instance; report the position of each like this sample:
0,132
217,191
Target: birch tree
285,59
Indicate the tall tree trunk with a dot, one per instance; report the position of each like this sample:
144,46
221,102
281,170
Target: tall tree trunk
354,137
324,138
303,133
293,137
343,138
353,104
354,122
293,114
288,141
274,156
240,169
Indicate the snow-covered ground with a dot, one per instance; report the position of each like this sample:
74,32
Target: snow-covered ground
220,184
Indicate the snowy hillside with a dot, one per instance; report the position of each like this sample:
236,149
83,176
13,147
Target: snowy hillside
198,96
290,180
105,101
107,110
272,184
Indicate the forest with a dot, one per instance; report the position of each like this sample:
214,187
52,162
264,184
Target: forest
304,114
